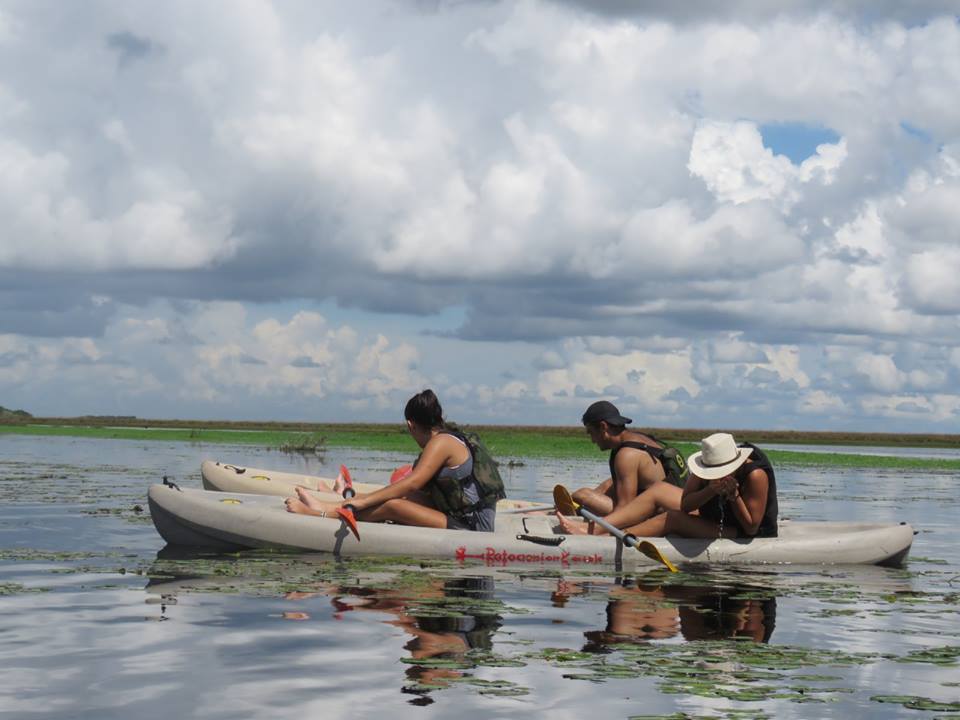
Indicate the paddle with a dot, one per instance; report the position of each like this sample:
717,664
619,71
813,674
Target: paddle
566,505
346,511
400,473
527,509
348,491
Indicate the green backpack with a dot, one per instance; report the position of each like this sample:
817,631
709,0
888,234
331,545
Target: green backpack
674,465
447,493
485,469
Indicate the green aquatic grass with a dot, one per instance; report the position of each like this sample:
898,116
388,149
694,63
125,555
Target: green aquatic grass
740,671
504,442
7,588
914,702
727,715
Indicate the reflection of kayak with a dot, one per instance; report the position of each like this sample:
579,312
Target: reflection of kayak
238,479
225,521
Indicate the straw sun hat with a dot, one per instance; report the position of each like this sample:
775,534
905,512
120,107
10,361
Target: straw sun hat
719,456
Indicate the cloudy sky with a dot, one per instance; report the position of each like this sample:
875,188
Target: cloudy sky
745,217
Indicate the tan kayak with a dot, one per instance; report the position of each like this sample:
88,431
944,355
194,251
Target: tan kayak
226,521
224,477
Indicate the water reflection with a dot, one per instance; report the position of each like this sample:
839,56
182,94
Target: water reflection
451,621
644,609
445,618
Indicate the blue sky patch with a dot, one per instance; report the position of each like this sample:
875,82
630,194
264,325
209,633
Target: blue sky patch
797,141
914,131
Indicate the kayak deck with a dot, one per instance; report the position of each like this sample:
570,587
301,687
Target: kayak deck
226,521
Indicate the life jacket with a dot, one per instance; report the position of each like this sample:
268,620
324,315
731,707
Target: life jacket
447,493
714,509
671,460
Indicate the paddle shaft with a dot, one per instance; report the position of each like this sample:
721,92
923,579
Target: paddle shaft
563,499
529,508
627,539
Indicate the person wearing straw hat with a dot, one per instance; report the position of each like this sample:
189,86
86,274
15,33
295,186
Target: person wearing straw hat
732,486
731,492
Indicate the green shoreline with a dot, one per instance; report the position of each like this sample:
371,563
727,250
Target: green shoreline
504,441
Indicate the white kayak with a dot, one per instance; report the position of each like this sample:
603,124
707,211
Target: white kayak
228,521
224,477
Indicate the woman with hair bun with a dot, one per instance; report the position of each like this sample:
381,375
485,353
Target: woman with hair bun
441,491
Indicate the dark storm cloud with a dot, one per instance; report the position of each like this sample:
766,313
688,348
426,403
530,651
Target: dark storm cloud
692,11
14,357
913,407
578,307
582,392
246,359
130,47
52,305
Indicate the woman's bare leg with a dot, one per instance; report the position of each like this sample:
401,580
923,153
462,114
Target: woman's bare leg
671,522
674,522
406,512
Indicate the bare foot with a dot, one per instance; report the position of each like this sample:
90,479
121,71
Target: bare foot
571,526
339,484
307,504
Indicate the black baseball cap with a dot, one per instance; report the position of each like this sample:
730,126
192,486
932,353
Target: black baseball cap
604,410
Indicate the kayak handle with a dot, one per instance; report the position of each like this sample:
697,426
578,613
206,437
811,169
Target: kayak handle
168,481
552,541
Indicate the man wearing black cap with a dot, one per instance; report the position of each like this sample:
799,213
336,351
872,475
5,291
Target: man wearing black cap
635,465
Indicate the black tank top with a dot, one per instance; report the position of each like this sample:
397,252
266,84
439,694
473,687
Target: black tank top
714,510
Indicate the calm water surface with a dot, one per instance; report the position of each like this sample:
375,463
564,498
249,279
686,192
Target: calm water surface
101,621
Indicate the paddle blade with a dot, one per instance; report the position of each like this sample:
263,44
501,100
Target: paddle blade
400,473
347,490
564,501
346,514
653,552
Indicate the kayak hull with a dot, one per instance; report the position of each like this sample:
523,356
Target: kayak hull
228,521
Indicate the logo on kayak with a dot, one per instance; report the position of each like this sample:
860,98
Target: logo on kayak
492,556
231,501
